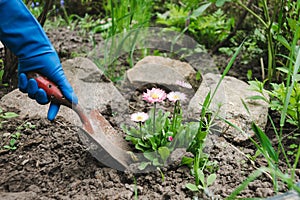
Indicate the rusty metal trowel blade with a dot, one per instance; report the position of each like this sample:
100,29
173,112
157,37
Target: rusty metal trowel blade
105,143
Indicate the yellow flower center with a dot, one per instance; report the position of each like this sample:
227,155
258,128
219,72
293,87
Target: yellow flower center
154,96
176,97
139,118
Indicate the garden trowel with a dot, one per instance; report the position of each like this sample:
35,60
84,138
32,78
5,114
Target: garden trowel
96,133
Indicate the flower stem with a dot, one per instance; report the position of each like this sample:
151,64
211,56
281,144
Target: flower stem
174,118
154,109
140,124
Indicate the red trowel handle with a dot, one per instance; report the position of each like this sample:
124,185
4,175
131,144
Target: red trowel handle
55,96
53,92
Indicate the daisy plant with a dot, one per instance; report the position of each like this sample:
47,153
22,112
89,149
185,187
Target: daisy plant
153,96
156,135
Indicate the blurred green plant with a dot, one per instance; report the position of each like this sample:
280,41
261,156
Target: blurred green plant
251,49
2,72
128,14
284,98
279,95
35,8
208,29
279,21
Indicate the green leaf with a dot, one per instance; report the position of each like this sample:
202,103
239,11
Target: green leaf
211,179
164,153
257,97
156,162
205,104
293,146
265,142
143,165
192,187
283,69
200,10
149,155
246,107
220,3
198,75
187,160
153,143
9,147
201,176
12,142
138,147
16,135
283,41
143,144
9,115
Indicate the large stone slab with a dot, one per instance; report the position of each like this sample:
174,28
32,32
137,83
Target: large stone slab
92,88
228,103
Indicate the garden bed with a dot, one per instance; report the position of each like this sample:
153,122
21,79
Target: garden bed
50,162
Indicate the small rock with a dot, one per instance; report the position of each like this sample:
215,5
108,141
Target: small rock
18,195
177,154
125,195
227,102
6,134
264,192
75,184
108,184
34,188
161,71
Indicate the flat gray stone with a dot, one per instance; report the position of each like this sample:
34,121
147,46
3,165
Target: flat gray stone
159,70
94,91
18,195
227,102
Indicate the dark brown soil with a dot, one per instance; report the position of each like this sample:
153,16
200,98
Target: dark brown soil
50,162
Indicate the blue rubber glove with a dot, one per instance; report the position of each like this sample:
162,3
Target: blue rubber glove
23,35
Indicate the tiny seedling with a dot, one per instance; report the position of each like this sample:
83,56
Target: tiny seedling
13,141
205,183
11,145
26,125
6,115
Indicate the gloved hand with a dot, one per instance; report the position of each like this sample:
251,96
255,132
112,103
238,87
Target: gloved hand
23,35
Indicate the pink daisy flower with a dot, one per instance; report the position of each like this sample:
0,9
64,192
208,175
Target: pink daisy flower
184,84
170,138
154,95
176,96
